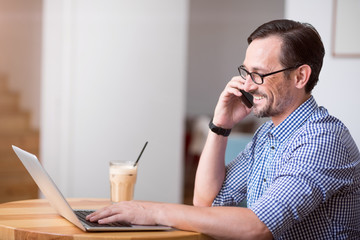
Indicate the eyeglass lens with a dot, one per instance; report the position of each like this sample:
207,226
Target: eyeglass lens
254,76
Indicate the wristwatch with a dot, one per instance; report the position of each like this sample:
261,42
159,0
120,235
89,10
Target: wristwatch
218,130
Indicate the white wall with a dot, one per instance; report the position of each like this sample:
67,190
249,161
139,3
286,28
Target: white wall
339,82
113,78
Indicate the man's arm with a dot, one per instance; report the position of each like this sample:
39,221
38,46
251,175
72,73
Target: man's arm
217,222
211,170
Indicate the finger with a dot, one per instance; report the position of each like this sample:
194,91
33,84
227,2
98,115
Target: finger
230,93
234,91
99,214
237,82
111,219
93,214
234,86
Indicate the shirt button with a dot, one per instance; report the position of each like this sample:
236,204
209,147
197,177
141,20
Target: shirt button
272,147
264,179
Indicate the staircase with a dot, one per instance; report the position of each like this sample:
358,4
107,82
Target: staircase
15,182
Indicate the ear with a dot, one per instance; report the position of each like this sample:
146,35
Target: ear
302,75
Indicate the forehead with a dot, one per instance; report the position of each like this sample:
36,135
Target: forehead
263,53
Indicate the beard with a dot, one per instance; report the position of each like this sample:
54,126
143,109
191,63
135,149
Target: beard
265,111
272,108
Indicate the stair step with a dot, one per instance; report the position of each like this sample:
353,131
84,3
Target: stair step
17,187
3,83
15,181
9,162
14,122
9,102
27,140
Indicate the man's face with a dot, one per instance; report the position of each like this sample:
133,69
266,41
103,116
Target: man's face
274,97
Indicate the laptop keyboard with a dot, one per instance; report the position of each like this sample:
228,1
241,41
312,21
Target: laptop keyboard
81,214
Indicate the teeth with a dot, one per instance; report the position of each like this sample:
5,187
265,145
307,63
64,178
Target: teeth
258,98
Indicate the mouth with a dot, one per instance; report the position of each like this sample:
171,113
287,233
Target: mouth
258,98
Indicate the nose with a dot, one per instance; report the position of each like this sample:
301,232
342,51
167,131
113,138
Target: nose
249,85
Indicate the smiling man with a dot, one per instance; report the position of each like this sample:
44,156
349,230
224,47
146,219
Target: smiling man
300,173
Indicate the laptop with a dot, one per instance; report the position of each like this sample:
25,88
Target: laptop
59,203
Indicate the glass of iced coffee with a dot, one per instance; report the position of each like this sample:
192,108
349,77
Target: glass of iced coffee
122,181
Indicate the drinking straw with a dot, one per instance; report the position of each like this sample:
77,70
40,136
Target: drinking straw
137,160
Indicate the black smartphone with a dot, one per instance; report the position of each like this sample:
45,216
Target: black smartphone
247,98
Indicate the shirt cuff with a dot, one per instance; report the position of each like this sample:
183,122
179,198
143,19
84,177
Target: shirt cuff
273,214
223,199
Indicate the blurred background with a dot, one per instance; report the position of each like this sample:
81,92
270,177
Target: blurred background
85,82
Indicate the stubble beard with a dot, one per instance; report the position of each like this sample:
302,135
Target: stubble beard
263,112
270,109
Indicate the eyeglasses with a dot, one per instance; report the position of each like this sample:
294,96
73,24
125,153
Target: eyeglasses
257,77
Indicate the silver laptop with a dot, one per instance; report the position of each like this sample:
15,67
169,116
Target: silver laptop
59,203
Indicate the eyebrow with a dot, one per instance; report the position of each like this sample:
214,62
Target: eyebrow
255,69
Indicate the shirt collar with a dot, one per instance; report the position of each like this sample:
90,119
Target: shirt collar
296,119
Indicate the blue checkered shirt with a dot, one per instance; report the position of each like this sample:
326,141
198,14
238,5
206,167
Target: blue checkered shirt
301,178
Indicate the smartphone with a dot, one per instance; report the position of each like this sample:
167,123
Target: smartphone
247,98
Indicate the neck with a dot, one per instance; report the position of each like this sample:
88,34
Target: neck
281,117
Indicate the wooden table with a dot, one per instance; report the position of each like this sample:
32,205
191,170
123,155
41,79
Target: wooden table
36,219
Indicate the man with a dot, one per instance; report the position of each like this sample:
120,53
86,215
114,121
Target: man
301,172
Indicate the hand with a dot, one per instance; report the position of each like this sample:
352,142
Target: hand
230,109
134,212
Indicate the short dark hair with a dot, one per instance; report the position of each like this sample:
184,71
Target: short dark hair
301,44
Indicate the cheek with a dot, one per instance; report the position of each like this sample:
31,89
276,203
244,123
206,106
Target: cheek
277,90
270,93
275,94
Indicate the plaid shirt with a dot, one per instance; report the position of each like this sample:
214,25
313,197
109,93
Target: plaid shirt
301,178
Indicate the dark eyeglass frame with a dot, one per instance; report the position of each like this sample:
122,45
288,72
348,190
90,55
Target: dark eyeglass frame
242,67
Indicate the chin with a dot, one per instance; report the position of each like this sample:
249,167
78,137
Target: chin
261,112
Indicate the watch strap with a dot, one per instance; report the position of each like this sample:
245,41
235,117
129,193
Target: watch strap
218,130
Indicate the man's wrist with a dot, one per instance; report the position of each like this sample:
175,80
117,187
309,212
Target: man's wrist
219,130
